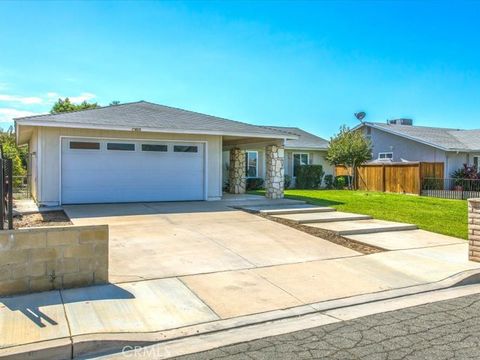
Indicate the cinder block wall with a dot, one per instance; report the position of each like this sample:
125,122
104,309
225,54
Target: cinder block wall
40,259
474,229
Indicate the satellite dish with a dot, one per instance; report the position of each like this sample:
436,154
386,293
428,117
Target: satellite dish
360,115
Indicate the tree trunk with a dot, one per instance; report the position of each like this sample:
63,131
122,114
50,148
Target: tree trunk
353,176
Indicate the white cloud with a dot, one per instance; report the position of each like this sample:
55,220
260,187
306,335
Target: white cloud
27,100
8,114
49,98
82,97
38,104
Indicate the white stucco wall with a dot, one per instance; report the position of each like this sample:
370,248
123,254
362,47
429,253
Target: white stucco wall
48,155
454,161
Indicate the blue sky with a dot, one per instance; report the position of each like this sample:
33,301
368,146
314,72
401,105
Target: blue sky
306,64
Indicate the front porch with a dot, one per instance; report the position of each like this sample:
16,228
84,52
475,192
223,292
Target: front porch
235,166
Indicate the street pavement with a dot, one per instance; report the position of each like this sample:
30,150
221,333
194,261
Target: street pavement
443,330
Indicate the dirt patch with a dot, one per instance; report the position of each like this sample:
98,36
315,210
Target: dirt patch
50,218
326,235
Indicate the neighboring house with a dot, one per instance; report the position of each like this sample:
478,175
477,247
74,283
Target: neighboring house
400,141
144,152
307,149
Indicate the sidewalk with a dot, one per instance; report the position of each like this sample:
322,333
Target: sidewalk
146,312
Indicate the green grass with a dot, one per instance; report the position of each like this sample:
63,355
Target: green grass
448,217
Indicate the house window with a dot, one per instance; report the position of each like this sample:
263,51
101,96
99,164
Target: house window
299,160
121,146
84,145
385,156
476,161
185,148
151,147
251,164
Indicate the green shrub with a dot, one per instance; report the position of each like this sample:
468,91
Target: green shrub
328,179
432,184
287,181
341,182
254,183
309,176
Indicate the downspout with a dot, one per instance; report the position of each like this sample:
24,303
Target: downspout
445,171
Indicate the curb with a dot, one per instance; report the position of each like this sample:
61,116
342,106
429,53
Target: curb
89,345
215,340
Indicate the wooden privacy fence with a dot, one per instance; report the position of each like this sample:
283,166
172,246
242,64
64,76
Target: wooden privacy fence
394,177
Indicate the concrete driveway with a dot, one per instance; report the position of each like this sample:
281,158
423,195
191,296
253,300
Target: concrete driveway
160,240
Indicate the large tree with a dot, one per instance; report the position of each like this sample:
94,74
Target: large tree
66,105
349,148
19,155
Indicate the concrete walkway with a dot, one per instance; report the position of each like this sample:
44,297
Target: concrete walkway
207,263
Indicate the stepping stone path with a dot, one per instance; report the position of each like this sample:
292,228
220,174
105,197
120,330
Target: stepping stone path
322,217
355,227
409,239
388,235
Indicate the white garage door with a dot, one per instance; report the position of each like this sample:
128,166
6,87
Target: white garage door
108,171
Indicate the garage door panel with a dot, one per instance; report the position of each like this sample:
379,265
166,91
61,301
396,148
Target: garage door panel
96,176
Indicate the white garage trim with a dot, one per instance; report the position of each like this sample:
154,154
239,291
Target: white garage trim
94,138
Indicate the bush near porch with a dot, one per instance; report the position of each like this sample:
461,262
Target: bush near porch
309,176
443,216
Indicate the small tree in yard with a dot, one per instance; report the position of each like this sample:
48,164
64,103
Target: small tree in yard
349,148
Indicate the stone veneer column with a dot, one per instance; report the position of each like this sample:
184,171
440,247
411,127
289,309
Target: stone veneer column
274,172
236,176
474,230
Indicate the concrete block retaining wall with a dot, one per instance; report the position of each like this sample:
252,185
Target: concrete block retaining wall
39,259
474,229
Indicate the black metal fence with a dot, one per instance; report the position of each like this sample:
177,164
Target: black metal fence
460,189
6,194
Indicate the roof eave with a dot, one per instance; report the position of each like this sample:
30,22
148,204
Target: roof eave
463,150
27,122
307,148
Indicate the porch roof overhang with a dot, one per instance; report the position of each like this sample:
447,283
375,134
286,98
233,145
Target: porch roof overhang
245,143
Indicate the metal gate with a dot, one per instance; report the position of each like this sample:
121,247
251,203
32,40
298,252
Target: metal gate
6,192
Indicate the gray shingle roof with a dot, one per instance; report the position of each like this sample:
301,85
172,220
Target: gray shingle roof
444,138
305,139
146,115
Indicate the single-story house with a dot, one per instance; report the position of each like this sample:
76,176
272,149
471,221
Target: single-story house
401,141
140,151
306,149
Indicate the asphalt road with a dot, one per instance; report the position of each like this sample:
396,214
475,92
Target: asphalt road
442,330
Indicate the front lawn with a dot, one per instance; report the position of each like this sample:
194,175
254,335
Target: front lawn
442,216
